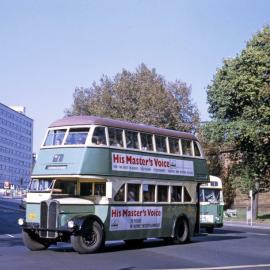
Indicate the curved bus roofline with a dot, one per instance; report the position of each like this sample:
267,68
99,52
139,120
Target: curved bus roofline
85,120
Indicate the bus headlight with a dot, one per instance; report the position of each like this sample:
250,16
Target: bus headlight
71,224
20,221
217,218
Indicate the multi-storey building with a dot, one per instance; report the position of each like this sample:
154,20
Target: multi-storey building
16,144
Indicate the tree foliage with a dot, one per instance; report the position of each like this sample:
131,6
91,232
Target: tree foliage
239,99
142,96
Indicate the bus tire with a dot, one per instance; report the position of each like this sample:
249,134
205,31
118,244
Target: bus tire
89,241
209,229
33,242
181,231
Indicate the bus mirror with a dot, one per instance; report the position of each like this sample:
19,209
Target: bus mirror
109,190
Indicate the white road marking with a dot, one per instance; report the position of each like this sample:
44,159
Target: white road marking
258,234
225,267
12,236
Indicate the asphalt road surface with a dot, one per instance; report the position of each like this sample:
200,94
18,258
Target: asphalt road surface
228,248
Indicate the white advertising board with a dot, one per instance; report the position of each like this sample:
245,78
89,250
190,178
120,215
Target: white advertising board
150,164
124,218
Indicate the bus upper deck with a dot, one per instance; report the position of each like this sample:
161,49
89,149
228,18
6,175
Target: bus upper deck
120,148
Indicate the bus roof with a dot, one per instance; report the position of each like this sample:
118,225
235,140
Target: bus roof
94,120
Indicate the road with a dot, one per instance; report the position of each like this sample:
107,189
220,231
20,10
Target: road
228,248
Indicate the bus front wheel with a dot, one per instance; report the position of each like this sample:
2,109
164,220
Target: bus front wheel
90,241
33,242
181,232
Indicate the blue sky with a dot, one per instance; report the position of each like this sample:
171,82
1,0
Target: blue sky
48,48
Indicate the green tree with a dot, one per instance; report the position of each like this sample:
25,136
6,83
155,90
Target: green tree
239,99
142,96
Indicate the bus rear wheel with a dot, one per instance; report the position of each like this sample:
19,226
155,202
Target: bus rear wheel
181,232
90,241
32,242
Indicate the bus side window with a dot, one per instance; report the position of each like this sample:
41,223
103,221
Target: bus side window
86,189
147,142
174,146
99,137
133,193
197,152
176,194
100,189
162,193
186,147
116,137
187,197
120,195
148,193
160,144
132,139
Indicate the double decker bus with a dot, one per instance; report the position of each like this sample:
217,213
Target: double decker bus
99,179
211,204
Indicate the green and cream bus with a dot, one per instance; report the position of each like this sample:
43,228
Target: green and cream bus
211,204
99,179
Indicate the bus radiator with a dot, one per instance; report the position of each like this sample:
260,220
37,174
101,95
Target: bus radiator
48,219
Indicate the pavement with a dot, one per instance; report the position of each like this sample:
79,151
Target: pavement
254,225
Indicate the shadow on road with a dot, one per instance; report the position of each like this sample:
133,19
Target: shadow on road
156,243
224,231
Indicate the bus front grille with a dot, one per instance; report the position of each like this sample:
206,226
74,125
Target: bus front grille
43,218
48,219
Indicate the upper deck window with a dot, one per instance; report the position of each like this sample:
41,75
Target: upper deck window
186,147
116,137
77,136
99,136
132,139
161,144
174,146
147,142
55,137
